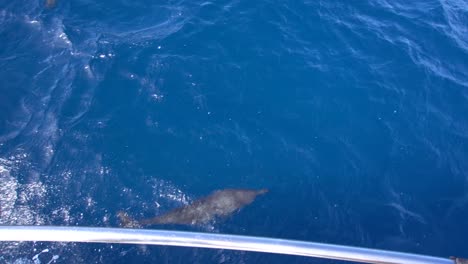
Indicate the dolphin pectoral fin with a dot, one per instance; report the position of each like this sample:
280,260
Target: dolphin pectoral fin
127,221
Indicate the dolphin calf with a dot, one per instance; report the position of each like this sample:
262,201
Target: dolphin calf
220,203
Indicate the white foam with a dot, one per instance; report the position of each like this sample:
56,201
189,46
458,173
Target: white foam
6,164
36,259
19,202
62,214
8,196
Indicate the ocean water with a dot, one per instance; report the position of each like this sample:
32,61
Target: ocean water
354,114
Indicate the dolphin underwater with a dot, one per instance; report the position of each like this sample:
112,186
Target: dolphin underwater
220,203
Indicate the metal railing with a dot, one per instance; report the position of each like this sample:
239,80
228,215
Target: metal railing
209,240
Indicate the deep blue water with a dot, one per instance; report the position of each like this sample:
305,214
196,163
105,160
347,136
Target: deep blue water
353,113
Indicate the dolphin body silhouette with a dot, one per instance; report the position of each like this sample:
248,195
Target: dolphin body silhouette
220,203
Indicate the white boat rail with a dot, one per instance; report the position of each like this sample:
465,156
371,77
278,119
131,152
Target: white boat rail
217,241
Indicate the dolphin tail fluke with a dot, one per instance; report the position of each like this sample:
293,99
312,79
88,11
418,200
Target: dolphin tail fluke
127,221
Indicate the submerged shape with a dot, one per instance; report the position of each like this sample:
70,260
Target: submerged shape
218,204
50,3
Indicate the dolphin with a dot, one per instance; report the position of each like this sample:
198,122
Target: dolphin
220,203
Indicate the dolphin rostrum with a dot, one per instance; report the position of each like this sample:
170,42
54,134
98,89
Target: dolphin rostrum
220,203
